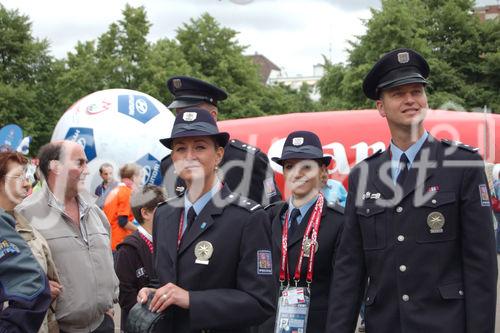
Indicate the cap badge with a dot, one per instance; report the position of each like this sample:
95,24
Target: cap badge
297,141
403,57
177,83
189,116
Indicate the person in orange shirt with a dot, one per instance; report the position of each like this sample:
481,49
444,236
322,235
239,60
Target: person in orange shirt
117,206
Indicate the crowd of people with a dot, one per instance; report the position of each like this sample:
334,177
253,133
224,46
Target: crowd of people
410,245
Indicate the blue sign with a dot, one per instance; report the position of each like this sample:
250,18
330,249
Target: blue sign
138,107
10,137
151,169
85,137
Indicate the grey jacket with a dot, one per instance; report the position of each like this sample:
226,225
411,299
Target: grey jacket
82,257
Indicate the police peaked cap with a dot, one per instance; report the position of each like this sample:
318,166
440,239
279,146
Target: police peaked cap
302,145
192,122
189,91
395,68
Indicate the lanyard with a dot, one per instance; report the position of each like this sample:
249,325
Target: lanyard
311,229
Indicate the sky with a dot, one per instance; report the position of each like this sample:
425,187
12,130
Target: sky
294,34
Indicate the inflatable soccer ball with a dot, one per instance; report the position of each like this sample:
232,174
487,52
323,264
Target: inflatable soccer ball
118,126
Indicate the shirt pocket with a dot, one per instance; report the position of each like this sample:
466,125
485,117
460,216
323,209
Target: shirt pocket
373,226
62,240
437,218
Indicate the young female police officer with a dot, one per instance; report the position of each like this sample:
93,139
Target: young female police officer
294,222
212,252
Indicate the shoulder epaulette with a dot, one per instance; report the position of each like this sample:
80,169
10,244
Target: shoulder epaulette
271,205
335,206
244,202
243,146
167,201
460,145
375,154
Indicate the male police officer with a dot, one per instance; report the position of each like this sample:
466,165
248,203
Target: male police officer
419,224
246,168
23,283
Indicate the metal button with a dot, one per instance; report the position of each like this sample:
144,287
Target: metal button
399,209
461,292
401,238
367,210
406,298
402,268
434,201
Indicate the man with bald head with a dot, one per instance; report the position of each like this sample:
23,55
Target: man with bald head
78,236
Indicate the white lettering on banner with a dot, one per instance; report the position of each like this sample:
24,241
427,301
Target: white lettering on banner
338,152
363,150
339,157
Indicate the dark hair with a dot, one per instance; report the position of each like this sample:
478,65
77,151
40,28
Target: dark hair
48,152
104,165
129,170
147,197
10,156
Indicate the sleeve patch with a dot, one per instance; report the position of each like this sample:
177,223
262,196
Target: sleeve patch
7,249
483,193
264,262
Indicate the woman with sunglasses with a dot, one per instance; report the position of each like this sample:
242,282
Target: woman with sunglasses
212,253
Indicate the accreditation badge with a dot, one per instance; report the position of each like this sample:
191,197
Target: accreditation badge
293,309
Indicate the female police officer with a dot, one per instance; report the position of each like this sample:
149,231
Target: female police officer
212,248
307,218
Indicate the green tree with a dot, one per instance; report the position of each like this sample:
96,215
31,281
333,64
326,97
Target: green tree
116,60
215,55
461,50
27,74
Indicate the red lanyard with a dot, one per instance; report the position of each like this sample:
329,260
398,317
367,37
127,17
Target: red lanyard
311,229
181,226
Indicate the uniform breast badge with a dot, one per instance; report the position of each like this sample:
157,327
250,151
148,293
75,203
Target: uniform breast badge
306,244
435,221
203,252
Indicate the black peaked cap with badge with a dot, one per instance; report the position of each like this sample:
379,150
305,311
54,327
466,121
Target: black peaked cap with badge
195,122
395,68
189,91
302,145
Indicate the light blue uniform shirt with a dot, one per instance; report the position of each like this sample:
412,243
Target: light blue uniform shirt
410,153
199,204
303,210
